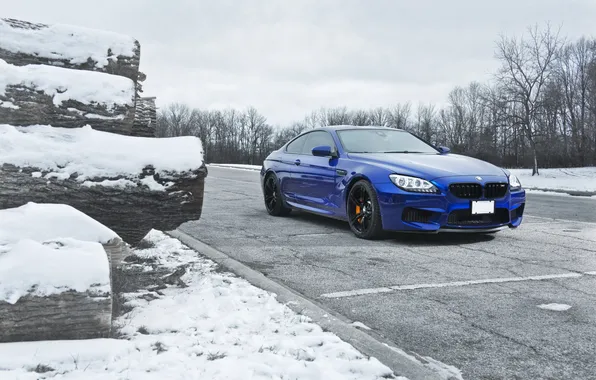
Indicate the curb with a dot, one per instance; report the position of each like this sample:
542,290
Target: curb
400,362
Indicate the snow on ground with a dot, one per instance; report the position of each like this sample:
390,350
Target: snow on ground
64,84
51,248
238,166
218,327
68,42
555,307
571,179
85,154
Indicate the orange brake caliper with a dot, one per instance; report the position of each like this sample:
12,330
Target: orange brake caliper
358,212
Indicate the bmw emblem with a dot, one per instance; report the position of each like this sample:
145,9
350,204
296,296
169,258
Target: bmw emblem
478,178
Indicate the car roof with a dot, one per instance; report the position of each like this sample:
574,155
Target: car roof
341,127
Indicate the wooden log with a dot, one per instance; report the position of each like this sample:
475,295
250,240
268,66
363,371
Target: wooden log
69,315
66,98
26,43
56,289
131,212
129,184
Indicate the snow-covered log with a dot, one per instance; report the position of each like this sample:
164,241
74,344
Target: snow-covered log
40,94
129,184
25,43
42,222
51,288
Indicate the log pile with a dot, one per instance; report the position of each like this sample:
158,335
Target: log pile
75,133
69,77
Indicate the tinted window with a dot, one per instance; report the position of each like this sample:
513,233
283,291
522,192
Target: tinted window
382,141
296,145
318,138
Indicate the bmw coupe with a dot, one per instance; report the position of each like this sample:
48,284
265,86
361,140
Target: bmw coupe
382,179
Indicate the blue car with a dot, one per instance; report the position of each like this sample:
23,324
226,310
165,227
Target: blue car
384,179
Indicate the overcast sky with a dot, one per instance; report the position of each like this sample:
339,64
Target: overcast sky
289,57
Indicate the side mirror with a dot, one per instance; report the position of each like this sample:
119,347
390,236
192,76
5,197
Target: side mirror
323,151
444,150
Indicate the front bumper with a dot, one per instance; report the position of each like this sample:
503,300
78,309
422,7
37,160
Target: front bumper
444,212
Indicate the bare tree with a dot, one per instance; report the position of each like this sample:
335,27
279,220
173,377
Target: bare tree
526,66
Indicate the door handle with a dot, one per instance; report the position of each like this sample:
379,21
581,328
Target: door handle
297,162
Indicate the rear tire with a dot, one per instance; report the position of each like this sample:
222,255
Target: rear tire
274,203
364,214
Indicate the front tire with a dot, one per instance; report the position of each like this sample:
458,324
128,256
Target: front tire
273,199
364,214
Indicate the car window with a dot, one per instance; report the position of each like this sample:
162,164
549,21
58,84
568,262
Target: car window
318,138
295,146
382,141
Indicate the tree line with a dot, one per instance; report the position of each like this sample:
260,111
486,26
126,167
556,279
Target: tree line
538,110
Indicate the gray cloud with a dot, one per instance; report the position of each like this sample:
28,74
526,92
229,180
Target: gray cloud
288,58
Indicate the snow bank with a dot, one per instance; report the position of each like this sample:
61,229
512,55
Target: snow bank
42,222
219,327
67,42
50,248
85,153
65,84
571,179
238,166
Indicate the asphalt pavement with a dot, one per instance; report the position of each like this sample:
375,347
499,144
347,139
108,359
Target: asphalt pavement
519,304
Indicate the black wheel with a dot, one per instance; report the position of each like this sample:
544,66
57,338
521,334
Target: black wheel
364,215
273,200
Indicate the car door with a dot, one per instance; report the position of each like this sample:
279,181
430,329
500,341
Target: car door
315,177
288,164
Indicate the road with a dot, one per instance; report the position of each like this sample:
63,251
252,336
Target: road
473,302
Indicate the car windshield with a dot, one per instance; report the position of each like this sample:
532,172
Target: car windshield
382,141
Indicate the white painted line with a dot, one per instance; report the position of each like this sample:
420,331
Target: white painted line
359,292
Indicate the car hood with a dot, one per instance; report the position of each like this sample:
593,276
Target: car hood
429,166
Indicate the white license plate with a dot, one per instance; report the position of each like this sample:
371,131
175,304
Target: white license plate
483,207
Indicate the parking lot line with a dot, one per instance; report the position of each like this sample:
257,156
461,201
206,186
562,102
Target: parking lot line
396,288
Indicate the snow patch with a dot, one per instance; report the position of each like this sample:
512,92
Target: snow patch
571,179
67,42
85,153
360,325
555,307
7,104
62,84
445,371
238,166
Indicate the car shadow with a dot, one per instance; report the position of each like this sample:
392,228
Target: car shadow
420,239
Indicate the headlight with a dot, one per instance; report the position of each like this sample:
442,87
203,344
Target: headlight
413,184
514,183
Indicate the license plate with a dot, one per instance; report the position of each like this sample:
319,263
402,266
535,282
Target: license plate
483,207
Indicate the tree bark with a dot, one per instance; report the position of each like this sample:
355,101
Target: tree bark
130,212
145,118
69,315
33,107
123,66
